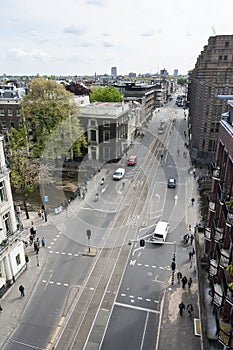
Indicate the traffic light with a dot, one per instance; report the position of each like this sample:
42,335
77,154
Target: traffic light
142,243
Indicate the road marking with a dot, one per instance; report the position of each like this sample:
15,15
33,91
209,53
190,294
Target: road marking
146,265
137,308
131,296
58,283
139,264
132,262
148,299
140,298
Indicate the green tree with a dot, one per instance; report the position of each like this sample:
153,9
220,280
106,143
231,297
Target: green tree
24,171
46,105
181,81
106,94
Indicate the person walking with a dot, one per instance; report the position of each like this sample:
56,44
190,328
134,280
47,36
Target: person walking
190,255
191,238
1,309
21,289
190,281
43,242
179,276
190,309
192,201
181,308
184,281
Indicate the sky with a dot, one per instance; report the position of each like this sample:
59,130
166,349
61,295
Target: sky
84,37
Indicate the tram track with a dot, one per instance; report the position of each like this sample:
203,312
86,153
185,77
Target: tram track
98,293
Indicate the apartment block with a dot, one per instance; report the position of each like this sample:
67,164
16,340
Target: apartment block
218,235
212,76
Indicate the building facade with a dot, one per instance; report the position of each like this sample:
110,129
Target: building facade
212,76
12,257
218,234
106,127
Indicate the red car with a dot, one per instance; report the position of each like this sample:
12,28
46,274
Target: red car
132,160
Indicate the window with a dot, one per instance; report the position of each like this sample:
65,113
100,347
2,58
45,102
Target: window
1,111
227,43
225,58
3,125
106,153
93,122
220,58
18,260
106,123
12,123
17,112
106,136
9,111
93,135
7,223
2,192
212,146
214,127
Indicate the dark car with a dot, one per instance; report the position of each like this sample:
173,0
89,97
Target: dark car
171,183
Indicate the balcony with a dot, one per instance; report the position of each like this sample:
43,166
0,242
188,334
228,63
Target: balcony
215,172
224,257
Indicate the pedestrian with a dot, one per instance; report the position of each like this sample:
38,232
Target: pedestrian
190,255
1,309
191,238
193,252
181,308
186,238
35,246
21,289
190,309
43,242
192,201
179,276
190,281
184,281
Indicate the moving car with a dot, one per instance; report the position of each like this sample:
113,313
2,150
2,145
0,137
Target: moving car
160,232
118,174
132,160
171,183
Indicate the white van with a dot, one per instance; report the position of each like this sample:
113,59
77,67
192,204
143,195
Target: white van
119,174
160,231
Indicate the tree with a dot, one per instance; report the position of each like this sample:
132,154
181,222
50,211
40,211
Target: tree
48,127
77,89
106,94
24,171
181,81
46,105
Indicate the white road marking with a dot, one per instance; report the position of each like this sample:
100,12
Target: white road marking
137,308
132,262
123,295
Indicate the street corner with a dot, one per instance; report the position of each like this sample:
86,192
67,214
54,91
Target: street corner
90,251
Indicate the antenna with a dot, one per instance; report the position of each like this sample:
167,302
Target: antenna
213,29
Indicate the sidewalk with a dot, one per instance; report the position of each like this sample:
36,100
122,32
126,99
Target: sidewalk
177,332
13,305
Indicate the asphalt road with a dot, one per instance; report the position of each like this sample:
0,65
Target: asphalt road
116,294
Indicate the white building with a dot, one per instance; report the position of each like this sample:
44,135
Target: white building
12,257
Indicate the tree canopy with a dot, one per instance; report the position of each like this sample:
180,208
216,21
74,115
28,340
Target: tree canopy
105,94
44,108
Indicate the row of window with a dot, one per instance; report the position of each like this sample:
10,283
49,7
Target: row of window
93,136
93,122
8,112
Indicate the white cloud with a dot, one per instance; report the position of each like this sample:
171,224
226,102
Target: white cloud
73,29
87,36
34,53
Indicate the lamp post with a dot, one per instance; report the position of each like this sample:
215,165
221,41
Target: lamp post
173,263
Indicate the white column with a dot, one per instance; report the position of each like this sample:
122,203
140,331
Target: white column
9,276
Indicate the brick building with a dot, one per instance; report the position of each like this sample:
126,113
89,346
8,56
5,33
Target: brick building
212,76
218,233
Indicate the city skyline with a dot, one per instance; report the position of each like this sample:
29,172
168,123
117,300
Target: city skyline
84,37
